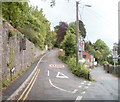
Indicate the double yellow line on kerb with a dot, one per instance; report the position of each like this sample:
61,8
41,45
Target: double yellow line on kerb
25,93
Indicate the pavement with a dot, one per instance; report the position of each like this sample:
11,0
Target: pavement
53,80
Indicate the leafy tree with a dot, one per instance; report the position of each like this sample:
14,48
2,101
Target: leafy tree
98,55
15,12
89,47
61,31
69,44
30,21
72,27
82,29
102,48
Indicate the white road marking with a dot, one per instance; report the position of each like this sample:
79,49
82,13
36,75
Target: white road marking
86,87
79,86
61,75
85,81
78,98
75,91
26,81
89,84
82,83
61,88
56,66
48,73
83,92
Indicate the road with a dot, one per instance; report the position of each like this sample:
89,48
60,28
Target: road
54,81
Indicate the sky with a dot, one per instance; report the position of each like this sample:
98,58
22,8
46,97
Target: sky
100,20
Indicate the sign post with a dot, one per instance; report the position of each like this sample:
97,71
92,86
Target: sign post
115,58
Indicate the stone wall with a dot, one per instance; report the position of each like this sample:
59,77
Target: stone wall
10,53
112,69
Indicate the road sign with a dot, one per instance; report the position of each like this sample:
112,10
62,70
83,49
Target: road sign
115,53
81,44
115,59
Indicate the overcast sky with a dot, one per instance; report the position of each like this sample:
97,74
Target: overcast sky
101,20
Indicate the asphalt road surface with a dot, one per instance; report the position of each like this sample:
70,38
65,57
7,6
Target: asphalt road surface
54,81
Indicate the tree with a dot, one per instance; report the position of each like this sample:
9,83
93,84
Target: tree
30,21
61,31
69,44
72,28
102,48
98,55
82,29
89,47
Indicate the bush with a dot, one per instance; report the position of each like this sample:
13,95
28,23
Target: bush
80,70
105,63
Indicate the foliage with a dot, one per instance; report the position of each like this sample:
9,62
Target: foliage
102,50
82,29
11,57
89,47
69,44
110,60
10,33
72,28
60,31
30,21
78,71
105,63
98,54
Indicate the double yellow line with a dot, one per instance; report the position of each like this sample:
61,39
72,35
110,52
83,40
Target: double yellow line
25,93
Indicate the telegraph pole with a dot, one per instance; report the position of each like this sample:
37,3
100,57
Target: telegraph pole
119,32
77,27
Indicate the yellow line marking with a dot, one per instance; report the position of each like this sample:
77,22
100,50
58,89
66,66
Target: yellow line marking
31,86
27,87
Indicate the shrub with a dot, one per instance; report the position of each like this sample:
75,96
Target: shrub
105,63
80,70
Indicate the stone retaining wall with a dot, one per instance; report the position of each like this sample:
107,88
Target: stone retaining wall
10,51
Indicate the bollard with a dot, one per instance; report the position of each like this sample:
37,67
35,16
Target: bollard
88,75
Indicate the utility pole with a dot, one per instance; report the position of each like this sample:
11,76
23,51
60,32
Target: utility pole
119,32
77,27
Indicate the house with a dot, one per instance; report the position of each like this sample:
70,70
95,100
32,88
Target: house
89,58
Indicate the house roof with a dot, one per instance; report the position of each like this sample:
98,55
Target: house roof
88,52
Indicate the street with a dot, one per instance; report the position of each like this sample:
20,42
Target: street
54,81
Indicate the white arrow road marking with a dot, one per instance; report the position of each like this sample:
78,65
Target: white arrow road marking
61,75
61,88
